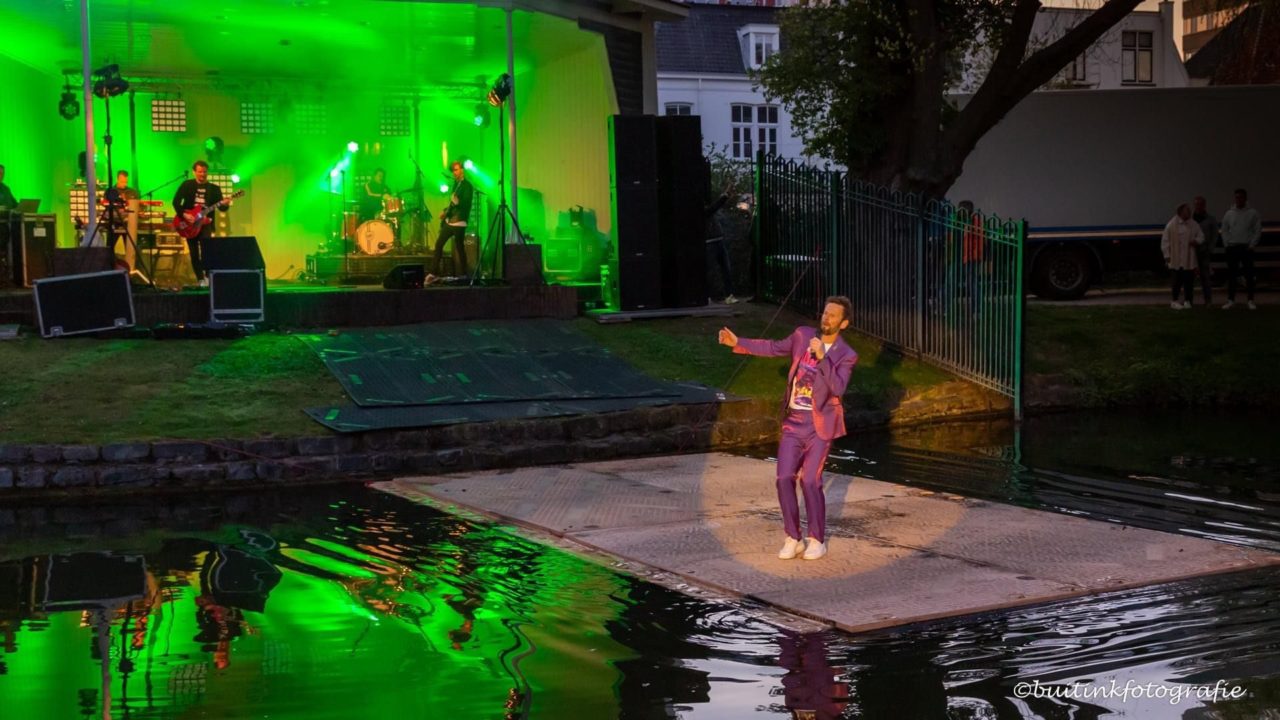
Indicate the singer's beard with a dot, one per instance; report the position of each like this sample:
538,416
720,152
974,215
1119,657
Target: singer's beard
824,331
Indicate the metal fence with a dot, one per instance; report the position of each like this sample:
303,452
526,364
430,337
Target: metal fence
932,279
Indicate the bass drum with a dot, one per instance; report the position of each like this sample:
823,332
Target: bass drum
375,237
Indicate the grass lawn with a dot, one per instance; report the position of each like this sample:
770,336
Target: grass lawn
98,391
1151,355
686,349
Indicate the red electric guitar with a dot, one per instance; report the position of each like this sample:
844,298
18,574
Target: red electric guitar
188,224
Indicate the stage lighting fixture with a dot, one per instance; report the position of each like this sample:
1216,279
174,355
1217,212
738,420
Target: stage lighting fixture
482,115
213,146
444,188
468,165
235,179
109,83
69,106
353,146
500,91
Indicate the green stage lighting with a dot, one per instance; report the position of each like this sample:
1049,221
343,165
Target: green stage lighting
444,188
235,179
353,146
213,147
467,164
500,91
482,115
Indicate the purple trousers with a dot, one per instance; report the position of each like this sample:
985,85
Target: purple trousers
802,453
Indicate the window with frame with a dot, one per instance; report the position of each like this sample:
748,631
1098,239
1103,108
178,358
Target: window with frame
741,119
1075,72
677,108
763,47
1136,56
767,128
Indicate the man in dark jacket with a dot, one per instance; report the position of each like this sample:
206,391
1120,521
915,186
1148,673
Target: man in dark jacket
453,221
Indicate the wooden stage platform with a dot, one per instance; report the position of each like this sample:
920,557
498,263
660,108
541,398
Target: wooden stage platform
300,305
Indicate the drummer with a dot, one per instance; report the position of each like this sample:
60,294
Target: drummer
375,193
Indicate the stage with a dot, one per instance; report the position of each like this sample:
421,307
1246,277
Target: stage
306,305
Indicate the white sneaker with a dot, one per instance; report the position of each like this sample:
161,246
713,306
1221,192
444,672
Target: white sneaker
791,548
1175,305
1252,306
1228,304
815,550
1186,304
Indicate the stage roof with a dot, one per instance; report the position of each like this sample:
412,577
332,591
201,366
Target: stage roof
371,43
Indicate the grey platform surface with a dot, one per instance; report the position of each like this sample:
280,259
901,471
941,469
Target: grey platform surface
897,555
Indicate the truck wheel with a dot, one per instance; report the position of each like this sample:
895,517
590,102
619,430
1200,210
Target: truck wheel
1062,274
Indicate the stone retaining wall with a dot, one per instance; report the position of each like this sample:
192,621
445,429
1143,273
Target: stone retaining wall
41,470
44,471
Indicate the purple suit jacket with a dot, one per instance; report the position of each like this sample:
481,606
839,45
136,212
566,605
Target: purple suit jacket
829,382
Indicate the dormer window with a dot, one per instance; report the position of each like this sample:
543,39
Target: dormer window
759,43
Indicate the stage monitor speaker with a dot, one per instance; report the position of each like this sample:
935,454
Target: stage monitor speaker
77,304
237,296
632,150
679,152
522,264
231,253
411,276
684,251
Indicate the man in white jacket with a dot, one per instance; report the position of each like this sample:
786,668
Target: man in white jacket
1241,229
1181,238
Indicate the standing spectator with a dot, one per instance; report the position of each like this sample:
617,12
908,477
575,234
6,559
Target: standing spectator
1204,251
1178,244
1241,229
717,245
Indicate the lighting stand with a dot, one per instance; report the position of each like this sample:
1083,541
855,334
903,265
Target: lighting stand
498,226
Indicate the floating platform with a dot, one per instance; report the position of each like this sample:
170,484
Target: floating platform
897,555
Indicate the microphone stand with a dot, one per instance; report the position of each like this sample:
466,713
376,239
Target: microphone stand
150,193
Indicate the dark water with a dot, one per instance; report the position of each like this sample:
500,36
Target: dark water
354,604
1209,475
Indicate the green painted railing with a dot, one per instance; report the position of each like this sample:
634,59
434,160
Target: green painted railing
932,279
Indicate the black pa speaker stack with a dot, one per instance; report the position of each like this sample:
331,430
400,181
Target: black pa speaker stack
657,190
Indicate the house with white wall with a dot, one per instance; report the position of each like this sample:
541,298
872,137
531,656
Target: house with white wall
1139,51
704,64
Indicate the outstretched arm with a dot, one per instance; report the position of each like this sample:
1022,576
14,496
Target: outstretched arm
754,346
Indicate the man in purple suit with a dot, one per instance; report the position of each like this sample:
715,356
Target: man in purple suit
814,416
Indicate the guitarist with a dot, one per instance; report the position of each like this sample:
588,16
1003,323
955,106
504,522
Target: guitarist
191,195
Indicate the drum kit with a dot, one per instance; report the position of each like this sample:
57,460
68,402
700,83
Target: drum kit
395,229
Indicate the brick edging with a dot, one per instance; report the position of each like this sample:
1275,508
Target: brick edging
42,470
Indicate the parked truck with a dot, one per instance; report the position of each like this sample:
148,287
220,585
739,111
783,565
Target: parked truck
1098,173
